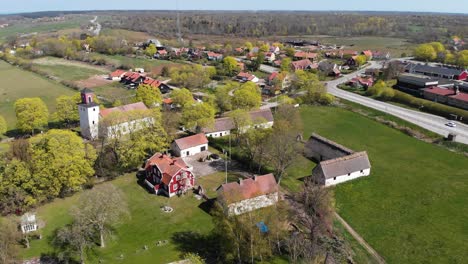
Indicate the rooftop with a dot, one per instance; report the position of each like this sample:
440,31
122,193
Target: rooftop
123,108
343,165
191,141
249,188
167,165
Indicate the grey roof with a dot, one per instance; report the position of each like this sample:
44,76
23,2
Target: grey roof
328,142
86,90
434,70
418,79
343,165
226,123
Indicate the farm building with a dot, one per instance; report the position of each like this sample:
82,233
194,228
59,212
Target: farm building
190,145
168,176
439,72
337,163
249,194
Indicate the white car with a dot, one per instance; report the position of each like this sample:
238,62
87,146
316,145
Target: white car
451,124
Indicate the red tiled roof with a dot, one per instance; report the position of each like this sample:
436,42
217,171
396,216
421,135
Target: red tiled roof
368,53
249,188
168,166
191,141
305,55
213,54
273,76
461,96
162,52
117,73
301,64
123,108
246,75
438,91
167,100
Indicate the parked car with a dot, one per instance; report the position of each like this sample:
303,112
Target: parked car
215,156
451,124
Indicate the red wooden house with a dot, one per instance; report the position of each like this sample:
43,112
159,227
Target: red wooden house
168,176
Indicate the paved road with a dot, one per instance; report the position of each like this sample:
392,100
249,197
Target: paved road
428,121
361,240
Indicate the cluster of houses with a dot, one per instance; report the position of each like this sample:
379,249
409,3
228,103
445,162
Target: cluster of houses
132,79
439,84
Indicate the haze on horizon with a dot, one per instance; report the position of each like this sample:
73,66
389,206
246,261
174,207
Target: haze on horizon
448,6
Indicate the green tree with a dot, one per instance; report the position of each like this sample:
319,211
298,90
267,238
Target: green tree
222,98
361,60
286,64
75,238
182,97
3,126
198,116
248,97
241,120
149,95
61,163
150,50
326,99
462,58
425,52
194,258
264,48
230,66
31,114
66,110
290,52
9,237
248,45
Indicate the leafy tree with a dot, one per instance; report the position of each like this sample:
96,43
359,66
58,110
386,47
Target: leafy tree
264,48
290,52
66,110
462,58
425,52
326,99
165,71
150,50
31,114
222,98
75,238
198,115
101,208
247,97
3,126
9,237
230,66
248,45
253,144
194,258
182,97
361,60
149,95
286,64
241,120
61,162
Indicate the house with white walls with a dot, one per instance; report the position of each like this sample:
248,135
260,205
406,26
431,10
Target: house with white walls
190,145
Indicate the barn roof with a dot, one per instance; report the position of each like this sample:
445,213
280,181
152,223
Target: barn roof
343,165
249,188
316,138
123,108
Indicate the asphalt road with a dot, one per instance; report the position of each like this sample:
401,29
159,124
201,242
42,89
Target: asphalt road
428,121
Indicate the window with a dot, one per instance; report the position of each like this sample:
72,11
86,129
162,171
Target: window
175,186
349,174
93,122
334,178
177,178
94,109
203,148
90,99
362,171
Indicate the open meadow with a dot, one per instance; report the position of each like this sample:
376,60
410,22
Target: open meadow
67,69
17,83
413,206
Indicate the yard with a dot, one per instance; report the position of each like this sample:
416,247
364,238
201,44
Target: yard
136,62
147,224
17,83
68,70
413,206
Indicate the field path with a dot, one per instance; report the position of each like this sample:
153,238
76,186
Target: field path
360,240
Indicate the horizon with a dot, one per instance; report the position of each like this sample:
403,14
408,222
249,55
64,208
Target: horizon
401,6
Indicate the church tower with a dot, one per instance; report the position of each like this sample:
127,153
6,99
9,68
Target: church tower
89,115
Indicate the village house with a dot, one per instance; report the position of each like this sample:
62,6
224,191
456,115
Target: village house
270,57
275,49
368,54
337,164
213,56
190,145
305,64
381,55
261,118
117,75
168,176
302,55
438,72
329,68
361,82
247,77
91,116
412,83
249,194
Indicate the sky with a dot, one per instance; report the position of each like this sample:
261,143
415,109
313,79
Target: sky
446,6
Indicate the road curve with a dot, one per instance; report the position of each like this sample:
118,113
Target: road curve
428,121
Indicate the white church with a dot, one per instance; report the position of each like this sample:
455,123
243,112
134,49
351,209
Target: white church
91,115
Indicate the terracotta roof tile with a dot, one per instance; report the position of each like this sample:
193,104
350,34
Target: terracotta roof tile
123,108
249,188
191,141
167,165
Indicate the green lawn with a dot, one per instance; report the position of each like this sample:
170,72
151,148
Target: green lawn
412,209
115,91
136,62
17,83
67,69
147,224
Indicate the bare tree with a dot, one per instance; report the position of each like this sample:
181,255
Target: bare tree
9,236
75,238
101,208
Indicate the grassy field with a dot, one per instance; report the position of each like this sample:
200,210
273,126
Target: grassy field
147,224
43,27
17,83
412,209
133,36
115,91
68,70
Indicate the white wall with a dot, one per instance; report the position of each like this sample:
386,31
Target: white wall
192,151
345,178
248,205
218,134
127,127
88,115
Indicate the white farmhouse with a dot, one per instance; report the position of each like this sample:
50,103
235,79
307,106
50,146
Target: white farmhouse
190,145
337,163
91,116
262,118
248,195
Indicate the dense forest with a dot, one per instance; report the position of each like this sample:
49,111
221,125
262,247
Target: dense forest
417,27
